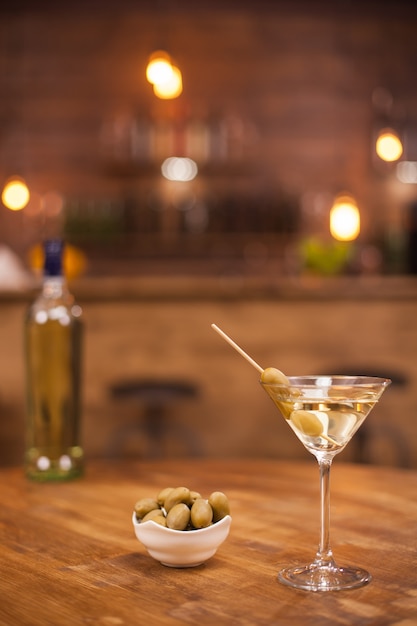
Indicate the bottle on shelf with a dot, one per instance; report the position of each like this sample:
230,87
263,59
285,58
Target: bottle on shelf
53,344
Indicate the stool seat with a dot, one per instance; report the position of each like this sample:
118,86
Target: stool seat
155,391
364,437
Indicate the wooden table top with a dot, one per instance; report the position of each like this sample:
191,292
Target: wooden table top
69,555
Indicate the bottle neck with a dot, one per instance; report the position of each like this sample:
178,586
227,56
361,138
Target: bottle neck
54,250
54,282
54,287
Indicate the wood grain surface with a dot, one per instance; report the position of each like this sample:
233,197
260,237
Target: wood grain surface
69,556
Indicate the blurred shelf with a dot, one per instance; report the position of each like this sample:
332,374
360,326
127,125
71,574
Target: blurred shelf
236,287
246,287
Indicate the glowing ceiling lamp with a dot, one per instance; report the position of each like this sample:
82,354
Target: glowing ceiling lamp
170,88
15,194
165,77
345,220
159,68
388,145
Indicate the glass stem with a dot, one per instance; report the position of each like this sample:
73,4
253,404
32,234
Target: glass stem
324,555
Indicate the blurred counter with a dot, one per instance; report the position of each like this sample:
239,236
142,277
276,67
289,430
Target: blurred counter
230,287
158,329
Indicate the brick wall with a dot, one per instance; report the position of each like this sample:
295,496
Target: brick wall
299,77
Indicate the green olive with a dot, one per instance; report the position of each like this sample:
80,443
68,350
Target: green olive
162,495
178,517
307,423
144,505
152,514
285,408
220,505
201,513
160,519
177,495
273,376
194,495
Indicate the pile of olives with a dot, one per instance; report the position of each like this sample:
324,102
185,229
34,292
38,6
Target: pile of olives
179,508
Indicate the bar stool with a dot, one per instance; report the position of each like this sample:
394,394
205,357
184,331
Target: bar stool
362,441
154,399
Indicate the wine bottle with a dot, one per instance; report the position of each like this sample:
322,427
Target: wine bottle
53,342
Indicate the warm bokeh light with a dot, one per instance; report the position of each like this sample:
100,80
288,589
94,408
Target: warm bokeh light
15,195
407,172
74,260
159,68
345,221
388,146
179,169
52,203
170,88
164,76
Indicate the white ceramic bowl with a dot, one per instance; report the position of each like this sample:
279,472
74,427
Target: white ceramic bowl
181,548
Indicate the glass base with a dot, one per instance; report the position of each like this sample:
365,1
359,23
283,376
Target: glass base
316,577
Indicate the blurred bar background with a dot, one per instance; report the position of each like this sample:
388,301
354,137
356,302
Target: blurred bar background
214,206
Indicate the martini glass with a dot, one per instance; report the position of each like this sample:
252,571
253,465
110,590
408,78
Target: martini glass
325,412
